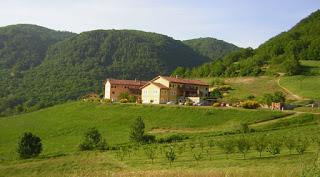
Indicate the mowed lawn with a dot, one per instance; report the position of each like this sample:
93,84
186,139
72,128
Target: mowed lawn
62,127
305,86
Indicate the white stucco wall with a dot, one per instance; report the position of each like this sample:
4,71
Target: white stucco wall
107,89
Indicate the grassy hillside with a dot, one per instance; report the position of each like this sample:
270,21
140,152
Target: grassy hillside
304,86
61,128
211,47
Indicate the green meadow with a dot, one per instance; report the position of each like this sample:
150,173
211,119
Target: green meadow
62,127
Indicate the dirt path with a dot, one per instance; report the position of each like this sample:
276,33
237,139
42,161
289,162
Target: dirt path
275,120
297,97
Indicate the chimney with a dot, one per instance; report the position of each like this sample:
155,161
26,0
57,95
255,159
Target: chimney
135,79
177,76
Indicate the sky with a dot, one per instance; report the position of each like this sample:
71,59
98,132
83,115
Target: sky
246,23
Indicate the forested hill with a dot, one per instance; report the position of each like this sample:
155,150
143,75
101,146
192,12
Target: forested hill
211,47
279,54
24,46
42,67
78,65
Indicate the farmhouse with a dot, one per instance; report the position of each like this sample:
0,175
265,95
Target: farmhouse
113,88
164,89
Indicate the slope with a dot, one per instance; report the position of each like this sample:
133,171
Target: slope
78,65
211,47
22,47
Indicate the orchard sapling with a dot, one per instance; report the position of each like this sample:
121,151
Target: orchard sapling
197,156
290,143
170,155
260,144
243,145
302,145
151,152
274,146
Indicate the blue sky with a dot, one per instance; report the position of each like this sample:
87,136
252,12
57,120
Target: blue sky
242,22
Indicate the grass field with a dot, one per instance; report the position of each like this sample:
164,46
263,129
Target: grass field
61,128
310,67
66,123
304,86
242,87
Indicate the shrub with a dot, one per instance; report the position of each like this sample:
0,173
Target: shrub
249,104
29,146
149,139
105,101
132,99
244,127
251,97
225,88
216,104
123,95
173,138
93,140
123,101
216,94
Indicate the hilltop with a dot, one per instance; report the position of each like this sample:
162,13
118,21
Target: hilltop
211,47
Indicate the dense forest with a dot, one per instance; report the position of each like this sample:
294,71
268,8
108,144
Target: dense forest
22,48
211,47
40,67
280,54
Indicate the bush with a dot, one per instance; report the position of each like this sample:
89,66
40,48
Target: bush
29,146
123,101
173,138
132,99
250,104
216,104
149,139
93,140
105,101
244,127
225,88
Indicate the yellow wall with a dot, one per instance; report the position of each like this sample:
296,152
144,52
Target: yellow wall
151,94
162,81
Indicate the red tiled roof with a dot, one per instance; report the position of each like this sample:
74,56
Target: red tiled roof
184,81
156,84
127,82
160,85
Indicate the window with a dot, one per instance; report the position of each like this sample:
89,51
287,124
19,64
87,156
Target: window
112,92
